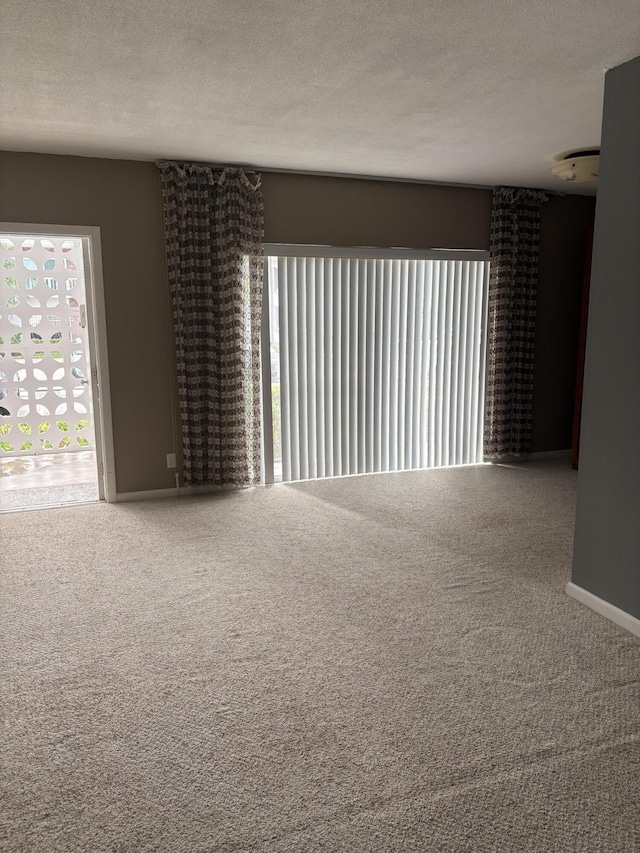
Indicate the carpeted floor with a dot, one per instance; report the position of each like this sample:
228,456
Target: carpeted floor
383,663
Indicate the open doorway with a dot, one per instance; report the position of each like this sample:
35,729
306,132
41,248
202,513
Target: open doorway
55,432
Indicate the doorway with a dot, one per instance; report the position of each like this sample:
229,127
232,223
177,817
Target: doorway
55,432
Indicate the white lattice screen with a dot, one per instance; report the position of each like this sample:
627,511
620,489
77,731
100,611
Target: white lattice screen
45,393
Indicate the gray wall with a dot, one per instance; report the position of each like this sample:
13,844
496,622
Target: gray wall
607,541
123,198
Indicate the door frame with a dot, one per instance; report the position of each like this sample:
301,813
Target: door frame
97,334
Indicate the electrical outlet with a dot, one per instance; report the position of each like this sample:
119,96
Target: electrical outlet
171,460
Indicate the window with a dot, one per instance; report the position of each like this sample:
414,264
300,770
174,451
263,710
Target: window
372,360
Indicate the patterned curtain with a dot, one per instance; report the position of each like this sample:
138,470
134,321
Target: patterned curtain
214,236
515,225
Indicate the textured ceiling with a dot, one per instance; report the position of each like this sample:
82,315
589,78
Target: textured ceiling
459,91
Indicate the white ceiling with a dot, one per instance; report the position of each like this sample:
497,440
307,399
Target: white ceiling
467,91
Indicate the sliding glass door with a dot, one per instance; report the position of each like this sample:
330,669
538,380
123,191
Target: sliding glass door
372,361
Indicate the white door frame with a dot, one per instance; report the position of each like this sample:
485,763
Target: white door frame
97,332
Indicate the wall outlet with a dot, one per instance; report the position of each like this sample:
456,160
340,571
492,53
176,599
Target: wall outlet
171,460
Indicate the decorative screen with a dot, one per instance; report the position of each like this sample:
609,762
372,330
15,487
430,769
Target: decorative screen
45,374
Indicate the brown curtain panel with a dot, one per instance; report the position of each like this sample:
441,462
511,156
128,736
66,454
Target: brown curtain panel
214,232
515,226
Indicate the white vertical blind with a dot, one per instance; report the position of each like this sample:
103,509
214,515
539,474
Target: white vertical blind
380,362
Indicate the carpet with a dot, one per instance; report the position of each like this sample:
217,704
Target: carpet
377,663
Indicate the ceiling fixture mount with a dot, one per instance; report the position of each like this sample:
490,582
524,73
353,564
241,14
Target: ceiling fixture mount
581,166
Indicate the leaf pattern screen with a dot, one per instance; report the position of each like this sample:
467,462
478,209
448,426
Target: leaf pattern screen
45,395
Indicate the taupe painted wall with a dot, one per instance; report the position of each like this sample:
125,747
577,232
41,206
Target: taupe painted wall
123,198
351,212
607,540
563,244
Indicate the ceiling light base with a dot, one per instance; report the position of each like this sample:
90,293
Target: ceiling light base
580,166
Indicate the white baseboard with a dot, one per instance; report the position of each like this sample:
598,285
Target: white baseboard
609,611
150,495
154,494
550,454
533,457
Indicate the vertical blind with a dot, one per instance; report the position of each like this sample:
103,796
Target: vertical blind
377,363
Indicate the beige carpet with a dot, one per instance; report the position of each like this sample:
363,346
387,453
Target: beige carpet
383,663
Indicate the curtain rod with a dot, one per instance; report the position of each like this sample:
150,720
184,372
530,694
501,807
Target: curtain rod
346,175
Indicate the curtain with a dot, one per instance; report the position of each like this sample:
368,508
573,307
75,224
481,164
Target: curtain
214,235
515,225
